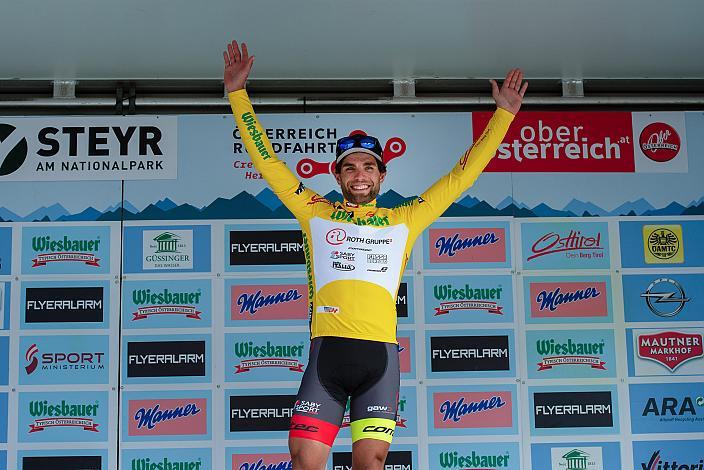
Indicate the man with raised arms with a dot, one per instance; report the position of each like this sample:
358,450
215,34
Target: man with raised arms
355,255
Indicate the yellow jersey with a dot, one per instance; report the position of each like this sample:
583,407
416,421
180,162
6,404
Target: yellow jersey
356,254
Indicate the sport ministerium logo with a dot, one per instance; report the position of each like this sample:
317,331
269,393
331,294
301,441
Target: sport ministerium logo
16,156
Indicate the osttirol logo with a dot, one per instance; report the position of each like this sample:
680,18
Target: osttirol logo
63,414
16,156
452,297
166,464
570,352
454,460
165,302
268,355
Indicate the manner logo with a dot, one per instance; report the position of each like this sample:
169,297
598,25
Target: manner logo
467,245
261,461
568,299
493,409
268,302
168,417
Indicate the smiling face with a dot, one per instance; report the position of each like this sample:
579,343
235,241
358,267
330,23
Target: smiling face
359,177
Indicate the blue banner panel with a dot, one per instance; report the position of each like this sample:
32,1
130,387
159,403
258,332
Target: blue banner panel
166,359
468,299
466,245
657,244
662,455
63,417
5,250
167,304
494,455
257,357
573,410
167,415
4,306
3,418
70,305
191,459
49,360
63,249
666,408
167,249
565,245
576,455
470,353
570,354
4,359
663,297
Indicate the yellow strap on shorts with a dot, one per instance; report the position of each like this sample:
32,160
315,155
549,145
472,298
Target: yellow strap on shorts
373,428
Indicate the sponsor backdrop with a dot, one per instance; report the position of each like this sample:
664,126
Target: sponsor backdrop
550,320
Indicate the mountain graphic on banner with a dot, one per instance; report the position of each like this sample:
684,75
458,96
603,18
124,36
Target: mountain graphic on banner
266,205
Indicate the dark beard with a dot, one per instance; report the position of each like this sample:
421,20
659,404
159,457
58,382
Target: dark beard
373,193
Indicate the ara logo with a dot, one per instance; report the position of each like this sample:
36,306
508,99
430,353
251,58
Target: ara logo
665,297
16,148
672,406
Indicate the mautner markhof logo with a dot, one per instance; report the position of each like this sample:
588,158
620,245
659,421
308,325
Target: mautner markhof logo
570,353
65,250
467,298
63,414
167,464
165,302
268,355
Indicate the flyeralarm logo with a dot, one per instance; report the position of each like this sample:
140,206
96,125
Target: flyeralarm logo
670,348
264,248
660,142
64,304
261,412
166,359
469,353
395,460
65,462
573,409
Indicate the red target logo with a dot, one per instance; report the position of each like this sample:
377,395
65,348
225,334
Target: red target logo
336,236
659,142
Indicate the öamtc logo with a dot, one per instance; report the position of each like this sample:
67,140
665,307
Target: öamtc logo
660,142
16,156
663,244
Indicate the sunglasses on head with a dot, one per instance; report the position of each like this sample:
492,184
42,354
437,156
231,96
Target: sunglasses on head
358,141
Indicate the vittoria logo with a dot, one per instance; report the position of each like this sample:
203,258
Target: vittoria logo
63,414
665,297
261,412
453,460
268,355
254,247
166,359
670,348
663,244
454,298
64,304
568,299
573,409
65,250
166,302
586,246
657,462
570,458
261,462
659,142
64,462
168,250
166,464
570,352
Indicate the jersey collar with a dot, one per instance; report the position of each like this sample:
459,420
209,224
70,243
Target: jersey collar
351,205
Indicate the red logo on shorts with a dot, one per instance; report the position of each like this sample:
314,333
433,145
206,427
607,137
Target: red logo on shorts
660,142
